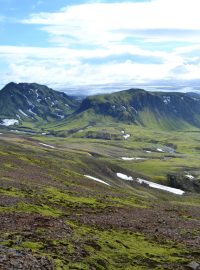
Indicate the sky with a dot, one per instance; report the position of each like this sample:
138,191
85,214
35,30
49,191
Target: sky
101,46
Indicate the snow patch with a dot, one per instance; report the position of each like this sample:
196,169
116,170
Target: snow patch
32,112
166,100
23,132
127,158
36,92
158,186
23,113
9,122
47,145
134,158
125,177
61,116
97,179
29,103
18,116
134,109
15,130
160,150
126,136
190,176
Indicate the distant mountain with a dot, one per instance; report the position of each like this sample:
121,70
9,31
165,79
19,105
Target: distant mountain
152,109
31,101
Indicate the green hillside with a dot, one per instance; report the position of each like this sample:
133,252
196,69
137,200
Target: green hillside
151,109
34,102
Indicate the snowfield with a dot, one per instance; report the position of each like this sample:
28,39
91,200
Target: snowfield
23,113
47,145
151,184
134,158
97,179
127,158
158,186
9,122
125,177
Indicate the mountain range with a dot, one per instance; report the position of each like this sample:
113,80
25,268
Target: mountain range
31,102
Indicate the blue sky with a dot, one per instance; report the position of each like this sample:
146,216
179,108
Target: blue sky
101,45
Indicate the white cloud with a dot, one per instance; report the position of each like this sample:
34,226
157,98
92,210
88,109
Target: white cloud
162,14
59,66
102,23
73,61
187,49
83,34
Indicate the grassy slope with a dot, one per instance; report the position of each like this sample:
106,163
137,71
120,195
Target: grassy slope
80,224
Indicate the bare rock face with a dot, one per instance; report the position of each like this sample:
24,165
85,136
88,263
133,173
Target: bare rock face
181,181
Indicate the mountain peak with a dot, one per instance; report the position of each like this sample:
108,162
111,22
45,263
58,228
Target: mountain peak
10,84
31,101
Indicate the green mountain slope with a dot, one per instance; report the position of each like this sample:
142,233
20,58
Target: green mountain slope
27,102
153,109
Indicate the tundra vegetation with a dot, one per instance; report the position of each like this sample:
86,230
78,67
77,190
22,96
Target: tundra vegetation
64,206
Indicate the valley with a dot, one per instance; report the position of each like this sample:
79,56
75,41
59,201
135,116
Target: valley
77,193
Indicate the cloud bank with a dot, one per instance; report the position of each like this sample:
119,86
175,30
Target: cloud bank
123,43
